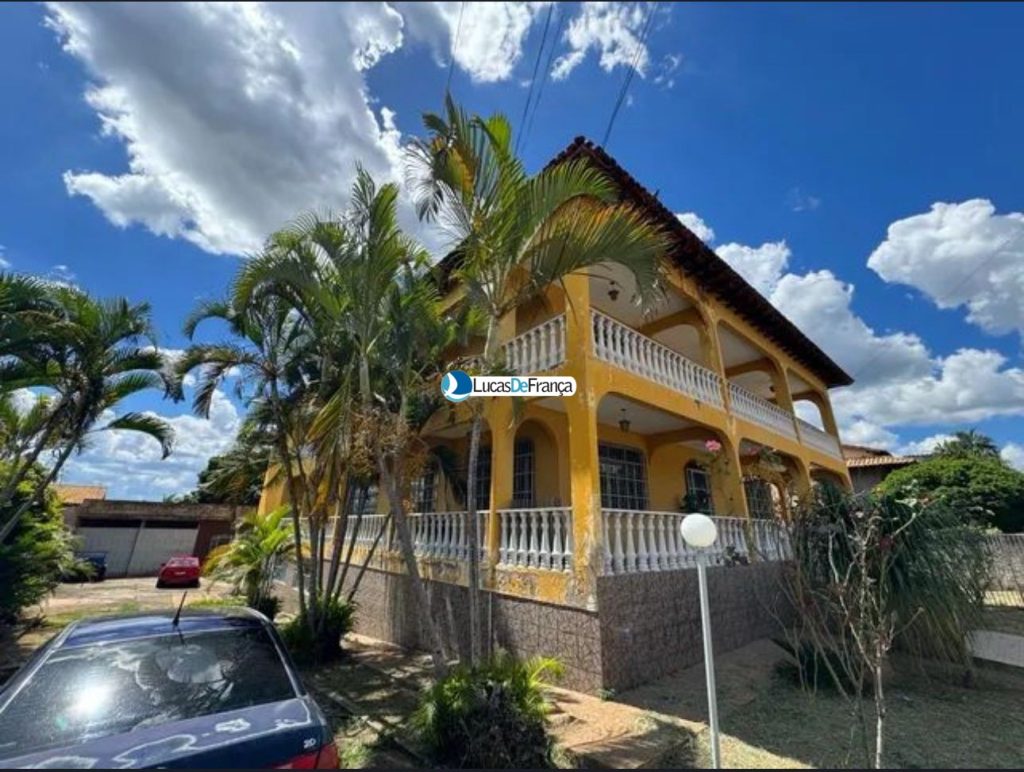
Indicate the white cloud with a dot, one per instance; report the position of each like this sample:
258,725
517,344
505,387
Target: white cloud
761,266
667,70
923,447
613,31
1013,454
487,43
960,255
700,229
243,117
129,464
899,381
4,263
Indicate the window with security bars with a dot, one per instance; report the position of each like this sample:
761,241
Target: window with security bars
523,475
759,498
362,499
483,479
698,490
623,477
421,491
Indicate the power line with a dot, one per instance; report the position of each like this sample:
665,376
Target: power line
629,73
455,47
546,74
533,79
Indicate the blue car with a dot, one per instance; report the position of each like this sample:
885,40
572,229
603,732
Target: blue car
203,689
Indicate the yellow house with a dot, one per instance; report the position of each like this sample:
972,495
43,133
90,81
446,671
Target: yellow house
690,406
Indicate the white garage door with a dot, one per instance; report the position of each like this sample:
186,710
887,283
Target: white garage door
117,542
155,545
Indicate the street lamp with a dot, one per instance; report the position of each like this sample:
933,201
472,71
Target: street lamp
699,531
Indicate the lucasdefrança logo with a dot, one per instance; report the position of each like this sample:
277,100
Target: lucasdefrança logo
457,385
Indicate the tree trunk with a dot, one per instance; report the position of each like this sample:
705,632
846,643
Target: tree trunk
437,650
21,471
879,708
473,536
37,495
369,556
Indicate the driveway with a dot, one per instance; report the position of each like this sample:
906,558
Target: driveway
74,601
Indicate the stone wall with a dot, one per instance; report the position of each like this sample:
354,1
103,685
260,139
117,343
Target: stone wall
1007,562
647,624
524,627
650,622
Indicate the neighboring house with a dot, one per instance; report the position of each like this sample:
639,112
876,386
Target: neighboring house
140,535
582,496
869,466
71,496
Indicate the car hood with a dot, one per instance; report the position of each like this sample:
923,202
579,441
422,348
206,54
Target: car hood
259,736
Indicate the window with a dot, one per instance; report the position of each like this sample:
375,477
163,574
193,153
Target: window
623,477
698,490
422,490
483,479
362,498
759,498
522,474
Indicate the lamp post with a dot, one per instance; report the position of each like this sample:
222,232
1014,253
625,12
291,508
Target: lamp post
699,531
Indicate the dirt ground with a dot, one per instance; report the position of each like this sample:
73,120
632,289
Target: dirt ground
75,601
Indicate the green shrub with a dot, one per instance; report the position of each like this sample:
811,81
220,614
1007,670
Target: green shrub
336,619
268,605
79,570
490,717
36,553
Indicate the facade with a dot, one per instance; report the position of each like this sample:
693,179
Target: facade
687,407
869,466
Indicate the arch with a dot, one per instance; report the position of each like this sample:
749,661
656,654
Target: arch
539,476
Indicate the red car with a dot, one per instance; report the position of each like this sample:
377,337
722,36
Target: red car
179,570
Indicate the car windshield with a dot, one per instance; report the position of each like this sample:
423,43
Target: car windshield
88,692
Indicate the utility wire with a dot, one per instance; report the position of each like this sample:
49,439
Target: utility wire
546,74
455,47
629,73
533,79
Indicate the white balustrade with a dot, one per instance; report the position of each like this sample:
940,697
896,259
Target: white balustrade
538,349
442,534
635,540
624,347
536,538
748,405
814,437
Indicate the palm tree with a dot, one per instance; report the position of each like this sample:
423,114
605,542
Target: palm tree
249,560
966,444
361,287
514,235
91,354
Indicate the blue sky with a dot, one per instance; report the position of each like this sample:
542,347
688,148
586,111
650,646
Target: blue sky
144,149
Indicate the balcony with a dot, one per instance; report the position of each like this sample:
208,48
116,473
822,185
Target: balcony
543,348
624,347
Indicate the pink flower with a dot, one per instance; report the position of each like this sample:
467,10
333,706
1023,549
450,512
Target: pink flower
712,446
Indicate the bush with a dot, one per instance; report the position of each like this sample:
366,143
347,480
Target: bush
491,716
307,649
35,554
268,605
980,490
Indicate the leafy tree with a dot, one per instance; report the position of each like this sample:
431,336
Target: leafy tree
967,444
515,234
37,551
980,489
88,355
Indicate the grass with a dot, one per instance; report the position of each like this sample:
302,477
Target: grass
929,724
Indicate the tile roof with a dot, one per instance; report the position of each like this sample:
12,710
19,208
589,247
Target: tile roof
76,494
882,461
